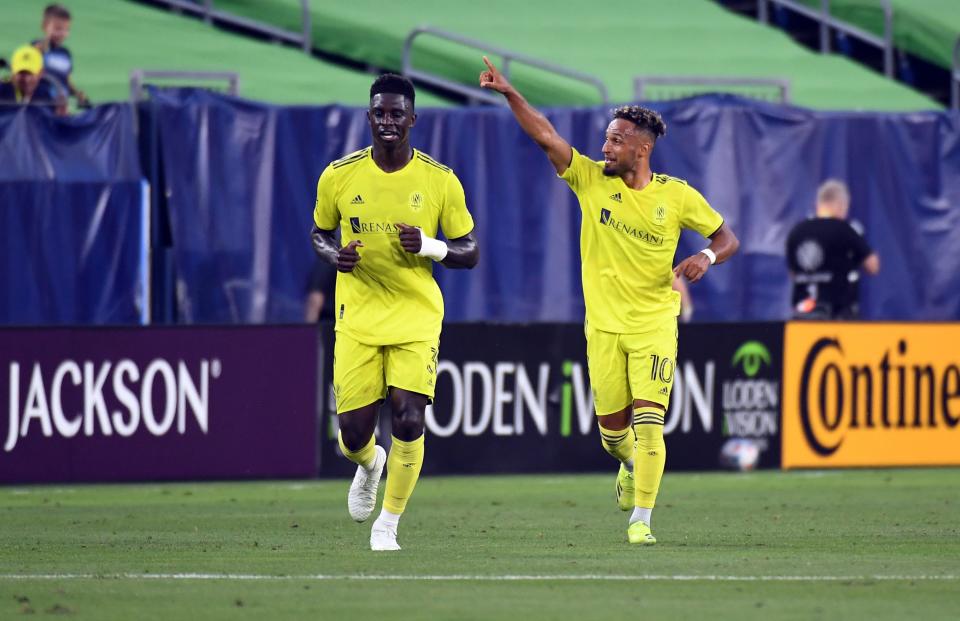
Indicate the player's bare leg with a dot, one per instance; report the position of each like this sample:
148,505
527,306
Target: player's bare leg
403,465
359,446
648,462
618,438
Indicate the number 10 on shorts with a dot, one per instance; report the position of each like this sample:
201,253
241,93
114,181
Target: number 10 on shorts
661,369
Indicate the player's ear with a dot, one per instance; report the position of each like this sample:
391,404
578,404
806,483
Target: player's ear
413,119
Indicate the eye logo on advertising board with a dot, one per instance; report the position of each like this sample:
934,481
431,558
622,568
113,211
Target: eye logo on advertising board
750,357
750,404
751,399
871,395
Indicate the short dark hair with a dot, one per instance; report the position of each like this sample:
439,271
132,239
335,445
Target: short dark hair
644,118
56,11
395,84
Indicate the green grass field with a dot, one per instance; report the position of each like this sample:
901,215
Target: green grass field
838,545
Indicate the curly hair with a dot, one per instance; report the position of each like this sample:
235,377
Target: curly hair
395,84
644,118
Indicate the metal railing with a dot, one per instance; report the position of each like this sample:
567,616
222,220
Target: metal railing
60,94
40,103
475,94
139,77
211,15
780,85
828,23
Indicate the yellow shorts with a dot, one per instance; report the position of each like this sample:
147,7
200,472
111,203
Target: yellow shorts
362,373
626,367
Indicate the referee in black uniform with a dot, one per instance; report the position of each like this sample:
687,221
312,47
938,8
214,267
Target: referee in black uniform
825,255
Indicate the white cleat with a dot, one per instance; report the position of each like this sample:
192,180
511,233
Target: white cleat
383,537
362,497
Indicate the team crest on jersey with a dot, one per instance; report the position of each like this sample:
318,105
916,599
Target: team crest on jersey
810,255
660,213
416,201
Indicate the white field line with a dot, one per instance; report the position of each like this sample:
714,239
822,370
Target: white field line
483,578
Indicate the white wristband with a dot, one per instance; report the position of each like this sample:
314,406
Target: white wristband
432,248
710,255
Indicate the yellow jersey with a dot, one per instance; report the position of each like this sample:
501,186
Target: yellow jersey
628,239
391,296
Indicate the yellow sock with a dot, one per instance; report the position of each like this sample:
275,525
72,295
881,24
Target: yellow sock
619,443
650,456
364,457
403,470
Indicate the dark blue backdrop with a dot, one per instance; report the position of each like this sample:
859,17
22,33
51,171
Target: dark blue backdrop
236,182
242,176
70,211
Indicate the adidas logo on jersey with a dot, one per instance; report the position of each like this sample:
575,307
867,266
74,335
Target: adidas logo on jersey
663,391
357,200
616,197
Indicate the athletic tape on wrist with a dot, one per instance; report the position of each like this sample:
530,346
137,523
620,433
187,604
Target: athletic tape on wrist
710,255
432,248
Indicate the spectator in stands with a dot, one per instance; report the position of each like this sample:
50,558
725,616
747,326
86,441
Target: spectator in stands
57,61
323,280
26,65
825,254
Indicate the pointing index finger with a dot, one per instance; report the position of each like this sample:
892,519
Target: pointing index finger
489,65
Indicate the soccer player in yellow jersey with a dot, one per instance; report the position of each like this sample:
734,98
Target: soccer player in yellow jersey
388,201
631,222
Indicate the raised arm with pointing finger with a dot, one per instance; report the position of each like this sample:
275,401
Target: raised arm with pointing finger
630,227
530,119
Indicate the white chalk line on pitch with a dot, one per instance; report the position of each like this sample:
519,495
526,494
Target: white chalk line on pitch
482,578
